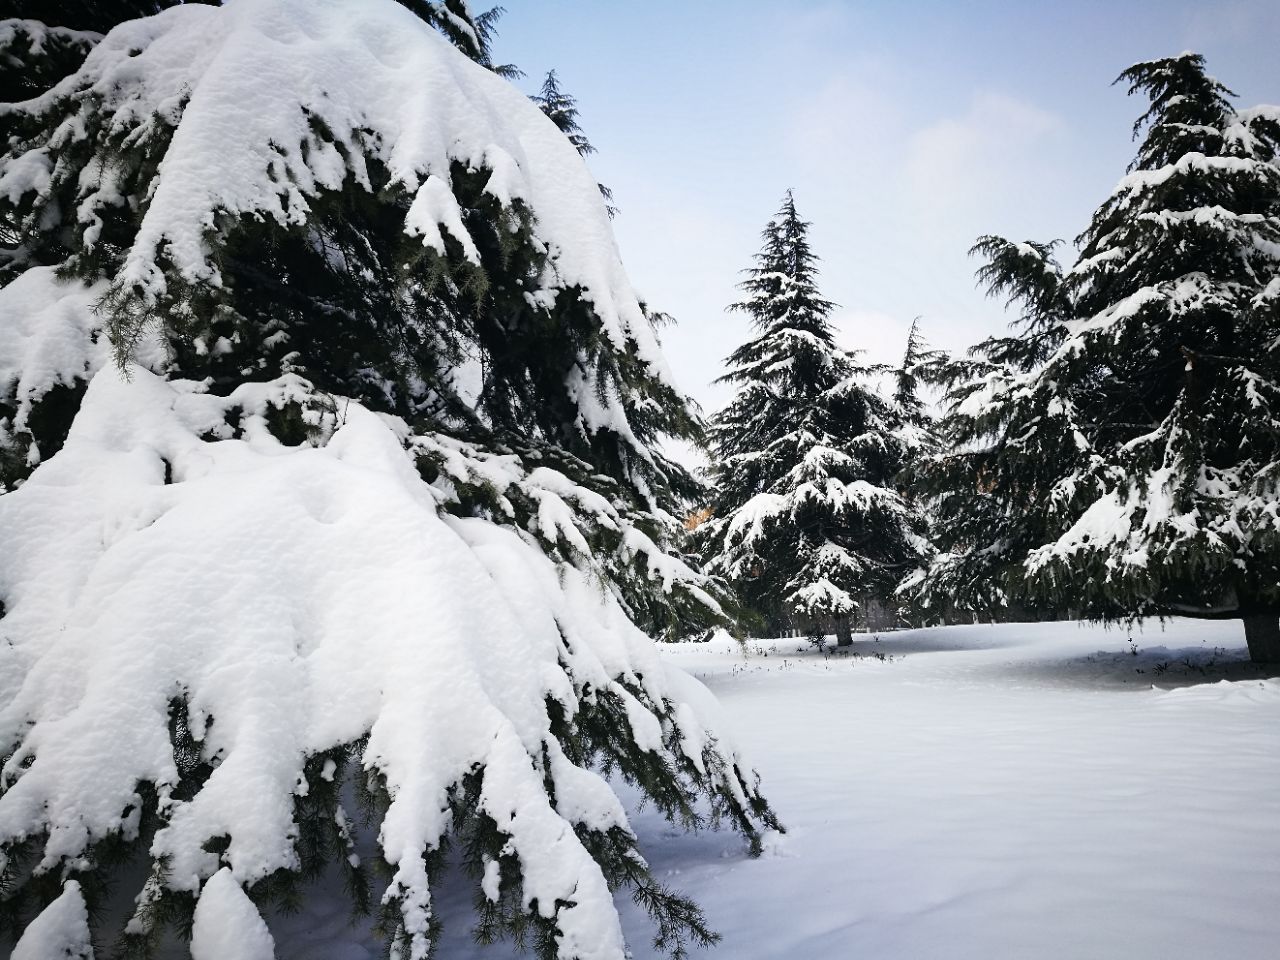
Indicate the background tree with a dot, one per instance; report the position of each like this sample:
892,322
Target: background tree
1140,442
1002,446
563,111
806,519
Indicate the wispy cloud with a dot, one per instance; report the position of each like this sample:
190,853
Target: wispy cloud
982,159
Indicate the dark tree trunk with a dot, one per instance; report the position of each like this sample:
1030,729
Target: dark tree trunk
844,633
1262,634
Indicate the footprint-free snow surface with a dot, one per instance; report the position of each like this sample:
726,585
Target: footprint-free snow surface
1011,791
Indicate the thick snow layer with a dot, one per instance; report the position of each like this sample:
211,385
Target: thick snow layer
246,87
298,599
985,792
40,35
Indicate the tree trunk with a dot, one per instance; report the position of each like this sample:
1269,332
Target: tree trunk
1262,634
844,634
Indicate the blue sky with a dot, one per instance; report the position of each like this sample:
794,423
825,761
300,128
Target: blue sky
906,129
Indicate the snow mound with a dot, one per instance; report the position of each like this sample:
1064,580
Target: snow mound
176,567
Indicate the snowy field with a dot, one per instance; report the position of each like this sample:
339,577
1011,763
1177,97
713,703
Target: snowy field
1013,791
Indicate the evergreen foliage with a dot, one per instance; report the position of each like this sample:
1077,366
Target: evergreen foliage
1118,457
434,298
918,359
806,519
1000,450
562,109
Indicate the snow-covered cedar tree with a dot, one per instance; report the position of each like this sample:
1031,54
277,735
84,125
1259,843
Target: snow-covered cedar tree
1123,456
563,111
806,520
329,420
918,430
1000,446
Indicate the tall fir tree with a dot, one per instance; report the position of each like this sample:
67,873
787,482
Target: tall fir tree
377,261
806,520
1132,435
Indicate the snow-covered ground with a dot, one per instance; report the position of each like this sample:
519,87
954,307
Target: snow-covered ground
1006,791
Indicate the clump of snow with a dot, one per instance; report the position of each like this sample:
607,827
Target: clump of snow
61,932
227,924
47,337
39,35
50,336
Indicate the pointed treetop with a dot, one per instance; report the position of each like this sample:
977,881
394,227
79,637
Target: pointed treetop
907,376
486,30
471,33
1188,109
562,109
781,289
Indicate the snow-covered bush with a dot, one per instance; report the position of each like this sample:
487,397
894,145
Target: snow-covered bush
328,419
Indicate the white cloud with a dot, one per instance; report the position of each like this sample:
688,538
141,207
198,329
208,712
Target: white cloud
980,159
851,124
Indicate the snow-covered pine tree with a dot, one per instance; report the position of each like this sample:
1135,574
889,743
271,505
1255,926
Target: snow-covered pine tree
918,433
563,111
1145,427
330,421
1174,368
806,520
1002,445
918,429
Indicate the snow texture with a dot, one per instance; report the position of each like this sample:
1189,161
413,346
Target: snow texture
48,336
984,793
